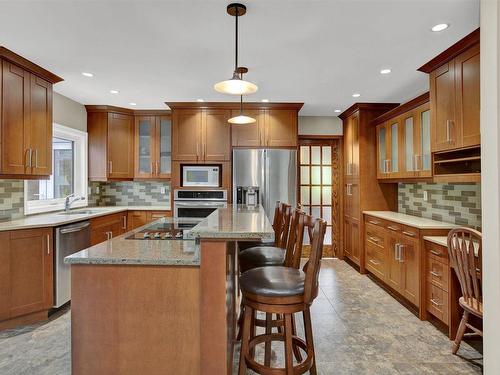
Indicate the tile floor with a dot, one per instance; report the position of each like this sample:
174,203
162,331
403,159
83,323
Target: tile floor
358,329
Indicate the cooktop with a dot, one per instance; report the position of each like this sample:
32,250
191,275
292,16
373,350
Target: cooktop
164,231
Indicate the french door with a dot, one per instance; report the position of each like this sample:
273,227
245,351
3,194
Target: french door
319,187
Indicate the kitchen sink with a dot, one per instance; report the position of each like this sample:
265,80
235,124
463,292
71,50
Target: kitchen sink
79,212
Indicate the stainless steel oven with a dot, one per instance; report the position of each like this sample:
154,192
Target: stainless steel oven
198,204
201,175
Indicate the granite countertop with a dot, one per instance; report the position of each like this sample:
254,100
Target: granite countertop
239,222
54,219
412,221
120,250
443,241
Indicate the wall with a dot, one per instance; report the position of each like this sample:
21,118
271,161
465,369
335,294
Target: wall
320,125
454,203
129,193
490,178
66,112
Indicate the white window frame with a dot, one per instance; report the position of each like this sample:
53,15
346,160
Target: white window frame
80,143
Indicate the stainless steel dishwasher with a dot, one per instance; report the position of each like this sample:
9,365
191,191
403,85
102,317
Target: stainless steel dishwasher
70,239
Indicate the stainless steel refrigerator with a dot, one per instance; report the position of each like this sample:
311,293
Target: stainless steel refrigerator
273,171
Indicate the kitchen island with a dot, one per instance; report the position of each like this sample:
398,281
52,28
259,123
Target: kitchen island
161,306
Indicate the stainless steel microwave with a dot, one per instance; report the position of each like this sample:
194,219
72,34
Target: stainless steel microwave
201,175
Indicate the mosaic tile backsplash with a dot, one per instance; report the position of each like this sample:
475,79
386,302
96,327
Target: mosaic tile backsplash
11,199
129,193
454,203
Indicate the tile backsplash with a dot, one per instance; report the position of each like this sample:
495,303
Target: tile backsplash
458,203
129,193
11,199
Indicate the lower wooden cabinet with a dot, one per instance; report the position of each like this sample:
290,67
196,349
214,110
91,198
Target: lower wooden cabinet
437,287
106,227
26,273
137,219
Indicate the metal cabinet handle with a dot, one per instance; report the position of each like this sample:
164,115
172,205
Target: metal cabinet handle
392,228
408,233
48,244
373,239
374,262
435,303
29,158
374,222
435,274
124,222
400,248
157,168
110,166
396,253
438,253
416,167
36,158
449,124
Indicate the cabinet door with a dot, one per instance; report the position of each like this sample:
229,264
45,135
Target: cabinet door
120,146
281,128
409,145
216,133
348,125
40,129
250,135
442,93
15,118
136,219
164,146
355,241
393,165
31,271
145,161
410,255
394,269
355,146
101,226
186,135
382,152
467,83
347,238
423,154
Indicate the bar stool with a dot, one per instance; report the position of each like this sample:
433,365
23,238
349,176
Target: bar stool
285,291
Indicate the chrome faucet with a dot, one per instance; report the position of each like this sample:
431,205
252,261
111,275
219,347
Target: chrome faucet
68,201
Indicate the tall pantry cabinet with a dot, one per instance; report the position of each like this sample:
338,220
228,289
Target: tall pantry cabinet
361,190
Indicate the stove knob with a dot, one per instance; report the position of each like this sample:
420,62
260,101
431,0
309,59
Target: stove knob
146,235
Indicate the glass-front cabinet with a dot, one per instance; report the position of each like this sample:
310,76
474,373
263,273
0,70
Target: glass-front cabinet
152,147
388,149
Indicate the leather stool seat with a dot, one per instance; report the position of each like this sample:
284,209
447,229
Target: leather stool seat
261,256
273,281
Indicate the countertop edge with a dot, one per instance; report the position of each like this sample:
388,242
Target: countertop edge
386,215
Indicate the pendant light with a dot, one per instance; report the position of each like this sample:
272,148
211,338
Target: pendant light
241,119
236,85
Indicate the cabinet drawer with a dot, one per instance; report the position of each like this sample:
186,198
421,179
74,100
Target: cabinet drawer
410,232
437,302
394,227
437,273
375,236
375,260
375,221
437,252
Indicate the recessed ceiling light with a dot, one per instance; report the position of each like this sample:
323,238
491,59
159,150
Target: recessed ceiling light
338,111
265,100
87,74
200,100
132,103
114,91
440,27
385,71
356,95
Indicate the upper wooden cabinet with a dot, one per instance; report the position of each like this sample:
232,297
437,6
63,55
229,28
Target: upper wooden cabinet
152,147
403,141
26,118
201,135
249,135
455,95
26,272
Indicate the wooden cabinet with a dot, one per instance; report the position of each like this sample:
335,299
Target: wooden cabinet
403,141
152,149
136,219
455,95
437,281
111,143
361,190
249,135
26,118
106,227
201,135
281,129
26,273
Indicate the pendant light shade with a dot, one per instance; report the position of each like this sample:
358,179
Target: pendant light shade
236,85
241,120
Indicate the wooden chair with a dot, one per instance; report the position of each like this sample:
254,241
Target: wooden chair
284,291
465,252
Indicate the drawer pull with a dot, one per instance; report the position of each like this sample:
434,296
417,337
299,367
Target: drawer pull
374,262
435,274
392,228
373,239
373,222
438,253
409,234
435,303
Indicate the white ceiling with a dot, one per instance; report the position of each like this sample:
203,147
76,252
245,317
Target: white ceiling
312,51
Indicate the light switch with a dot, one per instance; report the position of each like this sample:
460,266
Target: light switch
163,190
426,196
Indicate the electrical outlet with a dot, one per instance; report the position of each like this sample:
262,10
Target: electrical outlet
163,190
97,189
426,196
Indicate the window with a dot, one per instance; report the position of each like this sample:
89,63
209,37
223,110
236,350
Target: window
69,174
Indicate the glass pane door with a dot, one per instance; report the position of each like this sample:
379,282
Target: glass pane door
409,151
145,149
425,136
394,147
382,152
164,145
